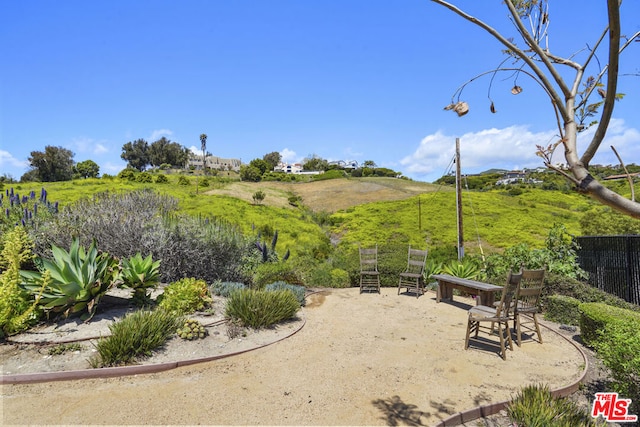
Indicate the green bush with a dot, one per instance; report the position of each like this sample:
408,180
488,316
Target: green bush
534,405
270,272
128,174
135,336
17,311
162,179
594,317
562,309
144,177
141,275
224,289
183,180
260,308
185,296
298,291
619,348
340,278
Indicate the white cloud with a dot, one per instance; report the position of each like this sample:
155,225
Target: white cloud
157,134
100,149
289,156
7,160
513,147
88,145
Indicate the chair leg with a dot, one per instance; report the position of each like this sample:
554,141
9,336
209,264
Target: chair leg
503,351
518,329
535,321
466,340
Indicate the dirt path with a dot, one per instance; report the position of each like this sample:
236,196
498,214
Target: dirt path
360,360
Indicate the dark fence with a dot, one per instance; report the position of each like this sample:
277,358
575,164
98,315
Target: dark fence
613,264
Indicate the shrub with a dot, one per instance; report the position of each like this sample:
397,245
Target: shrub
185,296
534,405
144,177
562,309
224,289
260,308
183,180
258,197
135,336
619,348
128,174
270,272
17,312
340,278
298,291
162,179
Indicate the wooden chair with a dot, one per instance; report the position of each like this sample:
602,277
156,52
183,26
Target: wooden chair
369,275
500,315
528,303
412,278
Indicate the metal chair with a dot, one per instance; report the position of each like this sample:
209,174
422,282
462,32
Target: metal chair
369,275
500,315
412,279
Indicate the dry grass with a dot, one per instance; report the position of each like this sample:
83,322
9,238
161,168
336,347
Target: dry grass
330,195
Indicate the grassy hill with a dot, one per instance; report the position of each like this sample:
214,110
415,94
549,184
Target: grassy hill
364,211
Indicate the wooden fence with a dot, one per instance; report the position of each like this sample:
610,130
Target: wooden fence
613,264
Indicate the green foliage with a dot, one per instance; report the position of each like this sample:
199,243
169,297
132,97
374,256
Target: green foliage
136,154
17,311
258,197
606,221
64,348
134,337
298,291
128,174
87,169
183,180
250,173
224,289
30,211
534,405
464,268
204,182
141,275
54,164
162,179
432,267
257,308
144,177
330,174
556,284
191,329
185,296
562,309
79,279
270,272
594,318
339,278
619,348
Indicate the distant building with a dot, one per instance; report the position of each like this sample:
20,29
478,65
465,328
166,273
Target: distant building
215,162
345,164
295,168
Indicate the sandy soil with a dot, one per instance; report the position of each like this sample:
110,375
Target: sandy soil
360,359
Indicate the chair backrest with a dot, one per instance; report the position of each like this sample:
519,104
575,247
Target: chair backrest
416,260
533,278
369,259
509,293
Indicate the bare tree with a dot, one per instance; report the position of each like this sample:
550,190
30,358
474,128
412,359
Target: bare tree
572,101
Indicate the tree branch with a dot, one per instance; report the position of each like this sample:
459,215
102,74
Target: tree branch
558,102
612,82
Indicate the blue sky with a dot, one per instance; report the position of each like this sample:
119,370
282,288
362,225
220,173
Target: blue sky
342,79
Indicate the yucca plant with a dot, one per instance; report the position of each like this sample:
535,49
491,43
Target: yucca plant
78,280
141,275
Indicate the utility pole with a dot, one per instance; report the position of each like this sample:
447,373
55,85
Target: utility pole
459,202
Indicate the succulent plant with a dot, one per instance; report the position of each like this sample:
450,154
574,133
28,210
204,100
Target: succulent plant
192,330
140,274
78,279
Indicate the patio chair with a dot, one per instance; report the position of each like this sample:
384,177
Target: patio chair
528,303
369,275
412,278
500,315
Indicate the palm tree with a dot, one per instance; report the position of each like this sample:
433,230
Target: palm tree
203,145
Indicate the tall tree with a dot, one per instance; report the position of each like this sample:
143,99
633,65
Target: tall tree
274,158
163,151
54,164
87,169
136,154
572,100
203,146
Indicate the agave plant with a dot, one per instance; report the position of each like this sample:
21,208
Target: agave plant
141,275
78,280
464,269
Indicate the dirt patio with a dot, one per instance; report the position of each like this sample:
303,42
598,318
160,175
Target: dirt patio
360,359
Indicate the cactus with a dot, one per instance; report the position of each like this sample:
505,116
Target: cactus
191,330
